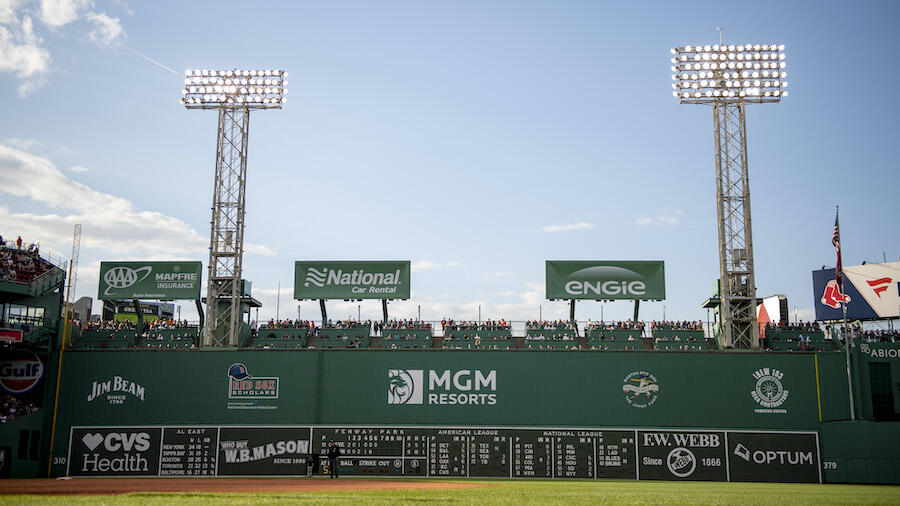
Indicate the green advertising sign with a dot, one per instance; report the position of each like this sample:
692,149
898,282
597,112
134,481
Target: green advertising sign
351,280
149,280
606,280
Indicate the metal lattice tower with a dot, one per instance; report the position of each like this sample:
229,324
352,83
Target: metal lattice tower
729,77
226,237
737,291
233,93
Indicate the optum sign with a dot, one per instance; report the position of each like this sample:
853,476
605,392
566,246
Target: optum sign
606,280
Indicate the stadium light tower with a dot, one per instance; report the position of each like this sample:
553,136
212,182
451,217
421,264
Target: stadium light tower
234,93
728,77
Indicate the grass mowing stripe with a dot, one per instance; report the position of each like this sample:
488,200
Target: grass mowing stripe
518,492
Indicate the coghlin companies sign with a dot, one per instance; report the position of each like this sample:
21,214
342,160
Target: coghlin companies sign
606,280
149,280
351,280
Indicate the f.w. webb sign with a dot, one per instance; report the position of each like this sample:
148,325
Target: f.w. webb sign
606,280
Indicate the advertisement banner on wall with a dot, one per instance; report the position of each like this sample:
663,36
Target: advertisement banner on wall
773,457
149,280
125,451
351,280
606,280
870,292
672,455
268,451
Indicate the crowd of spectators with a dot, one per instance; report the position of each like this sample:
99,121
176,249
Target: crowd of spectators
104,325
677,325
405,324
880,336
287,324
472,326
13,407
549,325
20,263
800,326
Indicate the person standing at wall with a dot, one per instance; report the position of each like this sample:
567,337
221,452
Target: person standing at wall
333,453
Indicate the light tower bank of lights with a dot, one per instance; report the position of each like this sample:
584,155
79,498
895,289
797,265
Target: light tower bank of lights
233,93
728,77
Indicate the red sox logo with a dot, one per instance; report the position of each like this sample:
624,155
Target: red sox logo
832,297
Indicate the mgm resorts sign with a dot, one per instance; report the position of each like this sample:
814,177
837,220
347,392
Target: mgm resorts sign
606,280
446,387
351,280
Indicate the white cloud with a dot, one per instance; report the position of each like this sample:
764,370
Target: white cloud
424,265
581,225
78,168
495,275
111,224
21,52
57,13
669,218
108,30
8,10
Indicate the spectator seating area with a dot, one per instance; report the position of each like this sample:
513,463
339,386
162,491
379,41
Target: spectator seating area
341,343
550,330
778,339
102,339
401,343
21,264
477,344
551,344
470,330
180,339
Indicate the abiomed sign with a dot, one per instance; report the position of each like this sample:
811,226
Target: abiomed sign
149,280
351,280
606,280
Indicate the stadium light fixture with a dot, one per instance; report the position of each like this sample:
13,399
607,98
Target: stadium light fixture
752,73
233,93
254,89
728,77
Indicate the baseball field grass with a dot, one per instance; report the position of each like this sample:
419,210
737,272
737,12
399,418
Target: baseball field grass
519,492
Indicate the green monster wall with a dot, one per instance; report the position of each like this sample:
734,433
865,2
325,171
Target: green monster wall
534,389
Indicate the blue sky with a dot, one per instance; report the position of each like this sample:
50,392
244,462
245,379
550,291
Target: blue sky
476,139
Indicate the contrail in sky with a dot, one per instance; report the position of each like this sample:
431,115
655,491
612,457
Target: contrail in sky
151,60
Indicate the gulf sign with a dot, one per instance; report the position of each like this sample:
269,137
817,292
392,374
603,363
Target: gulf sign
20,371
870,292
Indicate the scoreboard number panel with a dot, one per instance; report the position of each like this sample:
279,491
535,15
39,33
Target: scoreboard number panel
396,451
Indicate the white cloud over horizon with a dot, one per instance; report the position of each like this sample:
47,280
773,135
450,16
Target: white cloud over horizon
668,217
58,13
22,51
425,265
107,30
581,225
111,224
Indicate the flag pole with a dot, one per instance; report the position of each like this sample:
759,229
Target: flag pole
839,275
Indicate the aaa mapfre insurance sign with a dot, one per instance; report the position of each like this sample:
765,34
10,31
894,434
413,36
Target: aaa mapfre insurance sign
149,280
870,292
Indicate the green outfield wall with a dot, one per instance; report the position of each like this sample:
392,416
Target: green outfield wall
407,388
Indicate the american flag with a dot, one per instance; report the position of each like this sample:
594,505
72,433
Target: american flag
836,240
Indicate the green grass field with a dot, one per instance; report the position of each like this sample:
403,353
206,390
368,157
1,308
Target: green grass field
518,492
